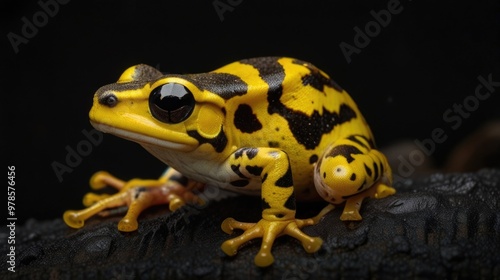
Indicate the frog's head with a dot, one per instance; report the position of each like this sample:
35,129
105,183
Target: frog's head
156,110
336,179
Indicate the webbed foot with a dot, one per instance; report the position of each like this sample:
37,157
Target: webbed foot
384,191
269,231
137,194
353,204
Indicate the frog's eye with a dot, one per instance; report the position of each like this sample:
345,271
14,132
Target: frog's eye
171,103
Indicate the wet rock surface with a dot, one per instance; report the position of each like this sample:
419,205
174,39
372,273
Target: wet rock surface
438,226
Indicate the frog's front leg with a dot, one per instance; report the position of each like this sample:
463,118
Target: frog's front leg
138,194
351,170
273,168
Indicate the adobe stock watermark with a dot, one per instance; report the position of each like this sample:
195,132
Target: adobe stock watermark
363,37
74,156
31,26
454,117
222,6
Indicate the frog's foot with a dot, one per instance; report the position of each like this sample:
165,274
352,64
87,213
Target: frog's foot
383,190
269,231
100,180
350,215
137,194
351,208
353,204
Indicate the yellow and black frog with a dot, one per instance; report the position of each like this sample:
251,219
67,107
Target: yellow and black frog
277,127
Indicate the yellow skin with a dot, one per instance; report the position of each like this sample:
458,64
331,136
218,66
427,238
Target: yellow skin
273,126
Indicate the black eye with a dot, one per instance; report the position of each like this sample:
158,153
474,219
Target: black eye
171,103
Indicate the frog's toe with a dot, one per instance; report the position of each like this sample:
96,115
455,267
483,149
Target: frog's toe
261,229
350,215
384,191
310,244
91,198
102,179
176,202
73,219
264,259
230,247
98,180
313,245
229,224
128,224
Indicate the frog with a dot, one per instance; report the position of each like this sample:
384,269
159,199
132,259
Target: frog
275,127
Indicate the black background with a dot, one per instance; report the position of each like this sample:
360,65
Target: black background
425,60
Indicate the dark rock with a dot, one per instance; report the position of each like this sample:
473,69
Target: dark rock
444,226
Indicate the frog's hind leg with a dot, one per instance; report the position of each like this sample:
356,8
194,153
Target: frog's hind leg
137,194
350,170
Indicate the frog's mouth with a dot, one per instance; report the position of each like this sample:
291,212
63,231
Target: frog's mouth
140,138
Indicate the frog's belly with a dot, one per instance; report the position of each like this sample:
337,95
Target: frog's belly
206,171
246,190
223,177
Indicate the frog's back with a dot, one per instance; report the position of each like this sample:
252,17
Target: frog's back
296,96
288,104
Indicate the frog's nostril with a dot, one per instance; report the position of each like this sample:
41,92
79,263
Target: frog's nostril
109,100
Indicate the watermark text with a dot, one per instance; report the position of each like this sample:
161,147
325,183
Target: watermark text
11,217
453,117
363,37
223,6
74,156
